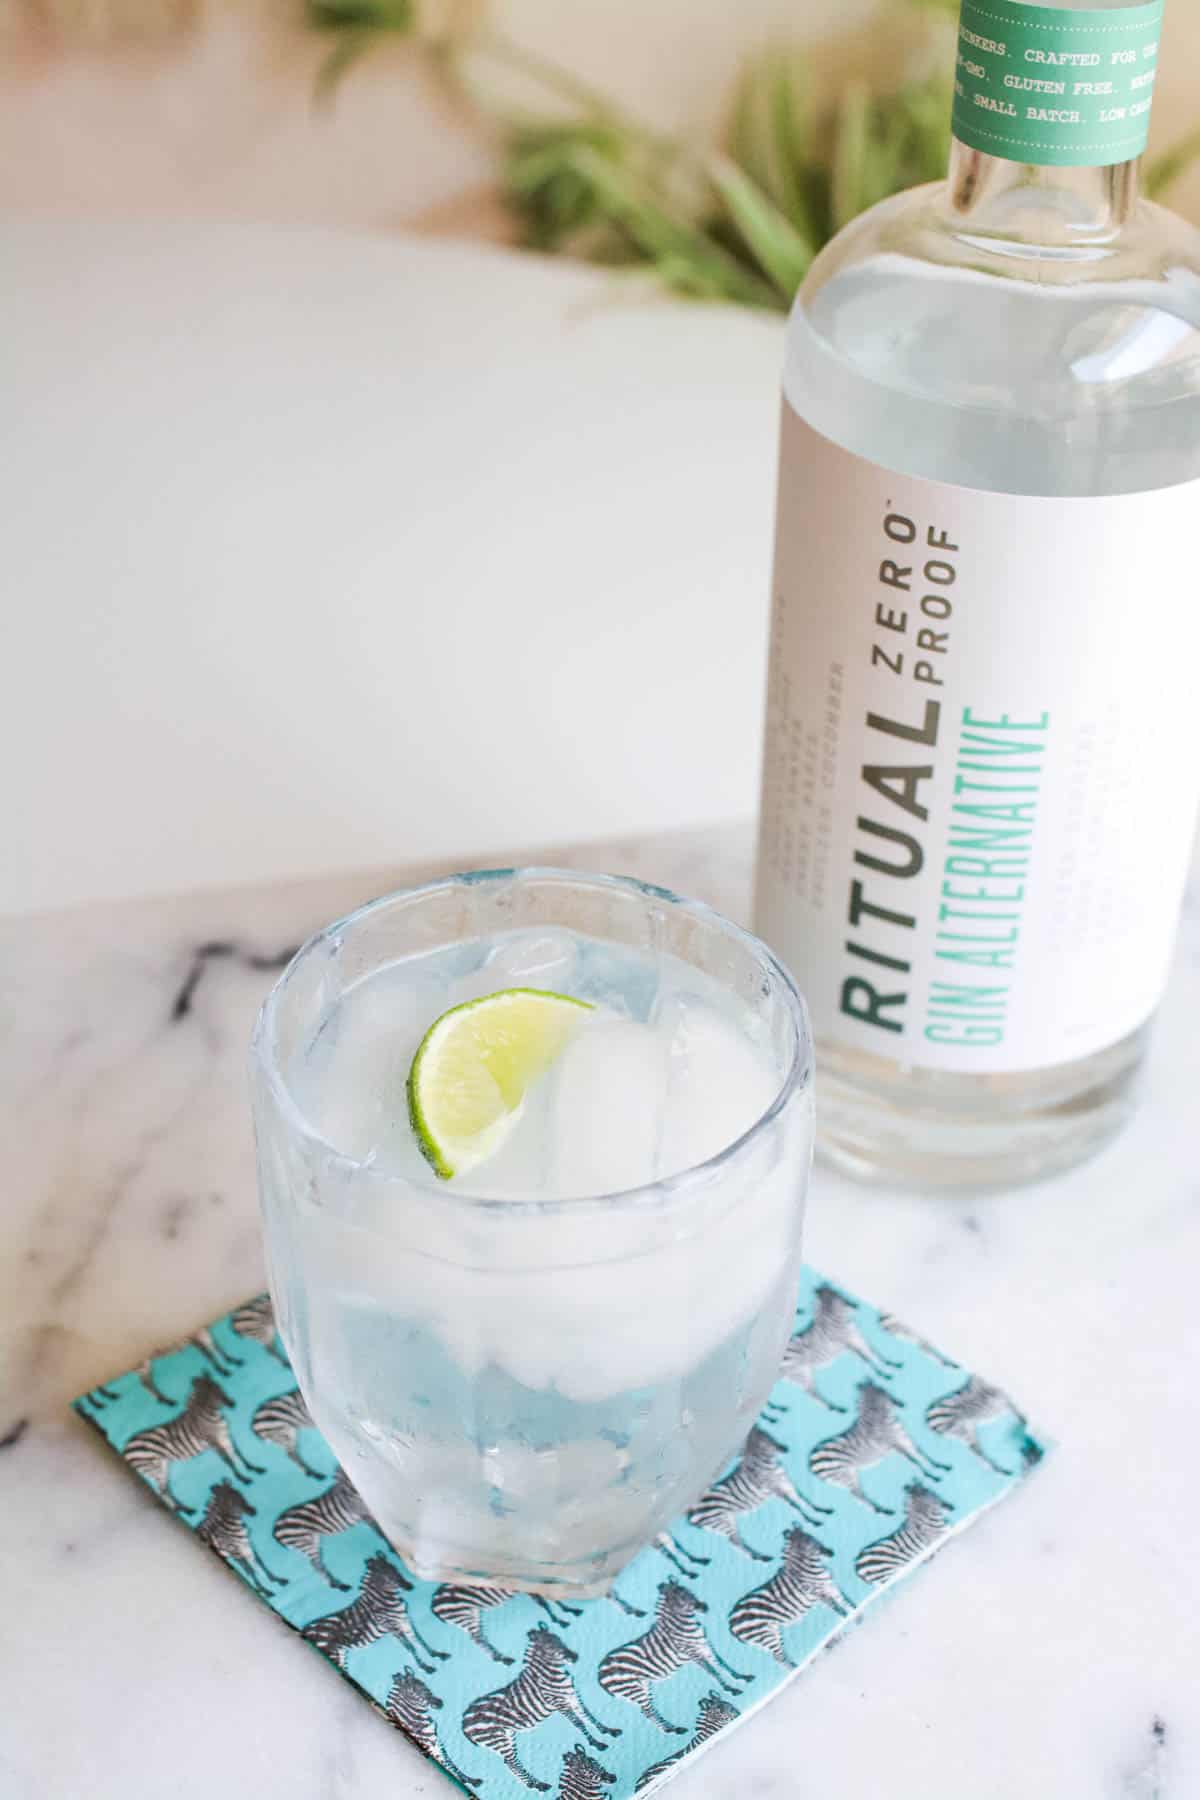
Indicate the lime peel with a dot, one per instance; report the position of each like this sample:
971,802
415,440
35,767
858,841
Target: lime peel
474,1067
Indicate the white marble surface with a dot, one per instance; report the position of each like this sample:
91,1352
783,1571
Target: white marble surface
1049,1654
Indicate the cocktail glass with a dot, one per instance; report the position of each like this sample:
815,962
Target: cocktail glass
524,1391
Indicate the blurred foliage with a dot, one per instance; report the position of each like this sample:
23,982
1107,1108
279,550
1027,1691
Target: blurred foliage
1170,164
354,25
739,222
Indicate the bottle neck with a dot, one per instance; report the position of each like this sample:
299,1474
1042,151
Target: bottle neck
1039,205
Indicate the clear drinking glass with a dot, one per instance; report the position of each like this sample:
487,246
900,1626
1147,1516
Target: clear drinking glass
525,1391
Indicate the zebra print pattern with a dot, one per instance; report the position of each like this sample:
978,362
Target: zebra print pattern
960,1414
877,1433
559,1612
199,1427
675,1639
715,1715
583,1778
508,1670
463,1604
220,1361
256,1321
280,1422
925,1516
223,1529
306,1526
378,1611
898,1329
145,1374
762,1616
832,1332
458,1603
542,1689
410,1705
756,1477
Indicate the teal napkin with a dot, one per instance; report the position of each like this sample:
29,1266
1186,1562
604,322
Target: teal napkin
873,1450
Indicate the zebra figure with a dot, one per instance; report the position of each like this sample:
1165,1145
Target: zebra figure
256,1321
306,1526
409,1705
378,1611
223,1529
756,1477
898,1329
201,1426
583,1778
542,1689
960,1414
559,1612
463,1604
762,1616
457,1603
679,1556
220,1361
145,1374
715,1715
675,1639
223,1361
280,1422
876,1434
925,1516
832,1331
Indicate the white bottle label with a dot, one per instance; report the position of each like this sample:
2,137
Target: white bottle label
981,761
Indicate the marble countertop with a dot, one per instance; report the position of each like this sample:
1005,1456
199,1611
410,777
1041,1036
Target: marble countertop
1050,1654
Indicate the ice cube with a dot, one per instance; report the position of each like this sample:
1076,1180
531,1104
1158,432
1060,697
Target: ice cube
350,1079
519,1169
719,1083
536,959
607,1095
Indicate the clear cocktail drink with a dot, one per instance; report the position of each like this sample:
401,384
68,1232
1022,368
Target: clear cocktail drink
528,1370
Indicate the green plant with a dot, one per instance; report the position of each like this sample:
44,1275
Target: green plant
740,222
354,25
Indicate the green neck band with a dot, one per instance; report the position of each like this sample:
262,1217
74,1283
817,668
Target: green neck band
1038,84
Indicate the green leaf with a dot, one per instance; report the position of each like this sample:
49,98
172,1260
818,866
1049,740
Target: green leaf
686,256
775,244
346,51
789,151
746,136
768,134
851,152
554,196
357,24
362,15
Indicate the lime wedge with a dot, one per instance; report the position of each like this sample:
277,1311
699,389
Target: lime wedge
474,1067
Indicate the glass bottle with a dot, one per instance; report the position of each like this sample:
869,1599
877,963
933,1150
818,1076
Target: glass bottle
1005,366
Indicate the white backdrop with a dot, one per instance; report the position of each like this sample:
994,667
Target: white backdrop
334,550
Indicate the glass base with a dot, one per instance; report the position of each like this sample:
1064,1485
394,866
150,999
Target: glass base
884,1123
563,1584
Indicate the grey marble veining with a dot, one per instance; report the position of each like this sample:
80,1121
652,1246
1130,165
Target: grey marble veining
1051,1653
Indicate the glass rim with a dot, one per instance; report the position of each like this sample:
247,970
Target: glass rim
797,1075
